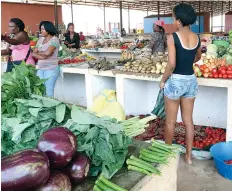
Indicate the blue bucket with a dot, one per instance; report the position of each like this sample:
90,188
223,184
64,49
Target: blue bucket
221,152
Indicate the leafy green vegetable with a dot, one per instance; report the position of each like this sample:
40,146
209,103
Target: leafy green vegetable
102,139
20,83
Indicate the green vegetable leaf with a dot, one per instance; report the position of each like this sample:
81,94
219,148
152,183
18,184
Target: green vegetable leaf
60,112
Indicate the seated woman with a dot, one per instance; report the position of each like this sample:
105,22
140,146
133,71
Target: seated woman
72,39
46,52
19,48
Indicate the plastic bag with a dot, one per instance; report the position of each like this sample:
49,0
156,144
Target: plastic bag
106,105
159,109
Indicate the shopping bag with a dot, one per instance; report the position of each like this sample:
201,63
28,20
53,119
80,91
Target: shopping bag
106,105
159,109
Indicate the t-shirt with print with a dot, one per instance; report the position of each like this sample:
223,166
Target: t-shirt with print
51,62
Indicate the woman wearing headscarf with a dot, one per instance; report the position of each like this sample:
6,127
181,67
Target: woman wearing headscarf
158,38
72,39
19,48
46,52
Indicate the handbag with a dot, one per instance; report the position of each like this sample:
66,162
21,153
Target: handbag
11,64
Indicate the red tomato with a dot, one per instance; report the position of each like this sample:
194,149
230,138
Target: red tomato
223,71
224,76
220,75
229,72
206,75
229,68
210,75
202,67
215,75
214,71
229,76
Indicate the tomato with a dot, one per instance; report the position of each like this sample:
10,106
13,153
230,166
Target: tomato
229,76
202,67
229,72
224,76
210,75
220,75
214,71
215,75
206,75
223,71
229,68
206,70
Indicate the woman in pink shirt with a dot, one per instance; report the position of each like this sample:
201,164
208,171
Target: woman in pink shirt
19,48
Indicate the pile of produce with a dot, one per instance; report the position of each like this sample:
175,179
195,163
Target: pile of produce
204,136
215,72
102,184
67,165
33,41
157,153
147,64
20,83
135,126
66,52
230,36
102,64
71,61
101,139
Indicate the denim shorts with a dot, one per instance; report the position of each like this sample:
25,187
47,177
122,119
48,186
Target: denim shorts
178,86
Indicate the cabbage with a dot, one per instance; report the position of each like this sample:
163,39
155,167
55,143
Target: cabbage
228,58
212,48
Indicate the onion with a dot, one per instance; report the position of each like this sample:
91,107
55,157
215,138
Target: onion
77,170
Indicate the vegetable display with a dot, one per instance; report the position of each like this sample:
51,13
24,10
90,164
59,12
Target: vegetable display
59,144
20,83
24,170
147,65
57,182
78,169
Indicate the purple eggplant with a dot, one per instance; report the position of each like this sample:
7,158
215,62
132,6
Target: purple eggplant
78,169
24,171
57,182
59,144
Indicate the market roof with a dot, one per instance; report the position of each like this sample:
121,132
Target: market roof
165,7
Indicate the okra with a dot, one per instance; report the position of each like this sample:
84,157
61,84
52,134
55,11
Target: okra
156,149
162,148
111,184
152,160
134,168
137,164
166,145
102,186
96,188
152,154
140,161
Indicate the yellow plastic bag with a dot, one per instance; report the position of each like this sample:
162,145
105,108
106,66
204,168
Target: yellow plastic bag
106,105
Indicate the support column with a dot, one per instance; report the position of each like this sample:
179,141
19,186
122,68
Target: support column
128,19
199,18
72,10
158,4
211,16
229,114
104,10
121,24
222,16
147,12
56,15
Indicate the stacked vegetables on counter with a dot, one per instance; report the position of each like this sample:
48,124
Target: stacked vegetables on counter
102,184
157,153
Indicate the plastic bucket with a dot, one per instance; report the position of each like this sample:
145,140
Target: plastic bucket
221,152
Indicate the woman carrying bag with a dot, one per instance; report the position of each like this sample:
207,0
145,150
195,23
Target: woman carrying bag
19,49
179,82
